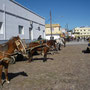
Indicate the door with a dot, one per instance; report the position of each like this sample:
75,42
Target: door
30,33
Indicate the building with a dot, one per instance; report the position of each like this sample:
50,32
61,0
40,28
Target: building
82,32
55,31
15,20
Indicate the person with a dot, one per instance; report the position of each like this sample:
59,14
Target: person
40,37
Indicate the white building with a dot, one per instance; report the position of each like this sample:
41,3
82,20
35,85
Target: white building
18,20
82,32
55,31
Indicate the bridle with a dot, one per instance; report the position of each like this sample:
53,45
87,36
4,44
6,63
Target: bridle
18,42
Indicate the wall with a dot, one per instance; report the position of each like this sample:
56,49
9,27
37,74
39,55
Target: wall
13,14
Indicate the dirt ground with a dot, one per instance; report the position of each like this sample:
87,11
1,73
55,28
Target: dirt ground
69,69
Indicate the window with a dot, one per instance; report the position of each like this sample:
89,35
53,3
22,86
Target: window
84,30
43,30
1,28
21,29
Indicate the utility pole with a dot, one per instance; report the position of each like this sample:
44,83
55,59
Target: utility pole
51,24
67,27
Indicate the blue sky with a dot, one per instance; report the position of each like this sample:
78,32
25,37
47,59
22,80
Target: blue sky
74,13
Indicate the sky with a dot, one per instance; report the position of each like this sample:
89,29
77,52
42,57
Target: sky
68,13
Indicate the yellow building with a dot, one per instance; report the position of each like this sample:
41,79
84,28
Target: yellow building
83,32
55,31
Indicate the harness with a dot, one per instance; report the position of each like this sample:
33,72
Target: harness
7,56
46,45
34,47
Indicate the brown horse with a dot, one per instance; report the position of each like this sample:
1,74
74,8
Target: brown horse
6,51
40,46
50,44
36,46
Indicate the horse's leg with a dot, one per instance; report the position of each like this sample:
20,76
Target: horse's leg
1,68
41,51
6,71
64,44
45,54
59,46
30,56
56,46
45,57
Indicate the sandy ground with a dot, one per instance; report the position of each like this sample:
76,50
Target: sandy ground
69,69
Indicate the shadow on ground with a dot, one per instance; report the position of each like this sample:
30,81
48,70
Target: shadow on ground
35,59
86,51
13,75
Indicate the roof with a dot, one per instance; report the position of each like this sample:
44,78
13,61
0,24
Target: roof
53,25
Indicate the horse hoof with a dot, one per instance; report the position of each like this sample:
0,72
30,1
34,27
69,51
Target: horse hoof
44,60
29,61
1,86
7,82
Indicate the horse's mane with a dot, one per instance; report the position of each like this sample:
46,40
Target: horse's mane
4,46
11,39
51,41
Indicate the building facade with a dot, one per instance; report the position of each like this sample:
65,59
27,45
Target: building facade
55,31
18,20
82,32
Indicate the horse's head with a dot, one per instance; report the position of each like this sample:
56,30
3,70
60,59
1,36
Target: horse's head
51,43
19,44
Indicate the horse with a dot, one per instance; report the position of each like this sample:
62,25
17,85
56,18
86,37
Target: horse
59,42
7,50
36,46
51,44
40,46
